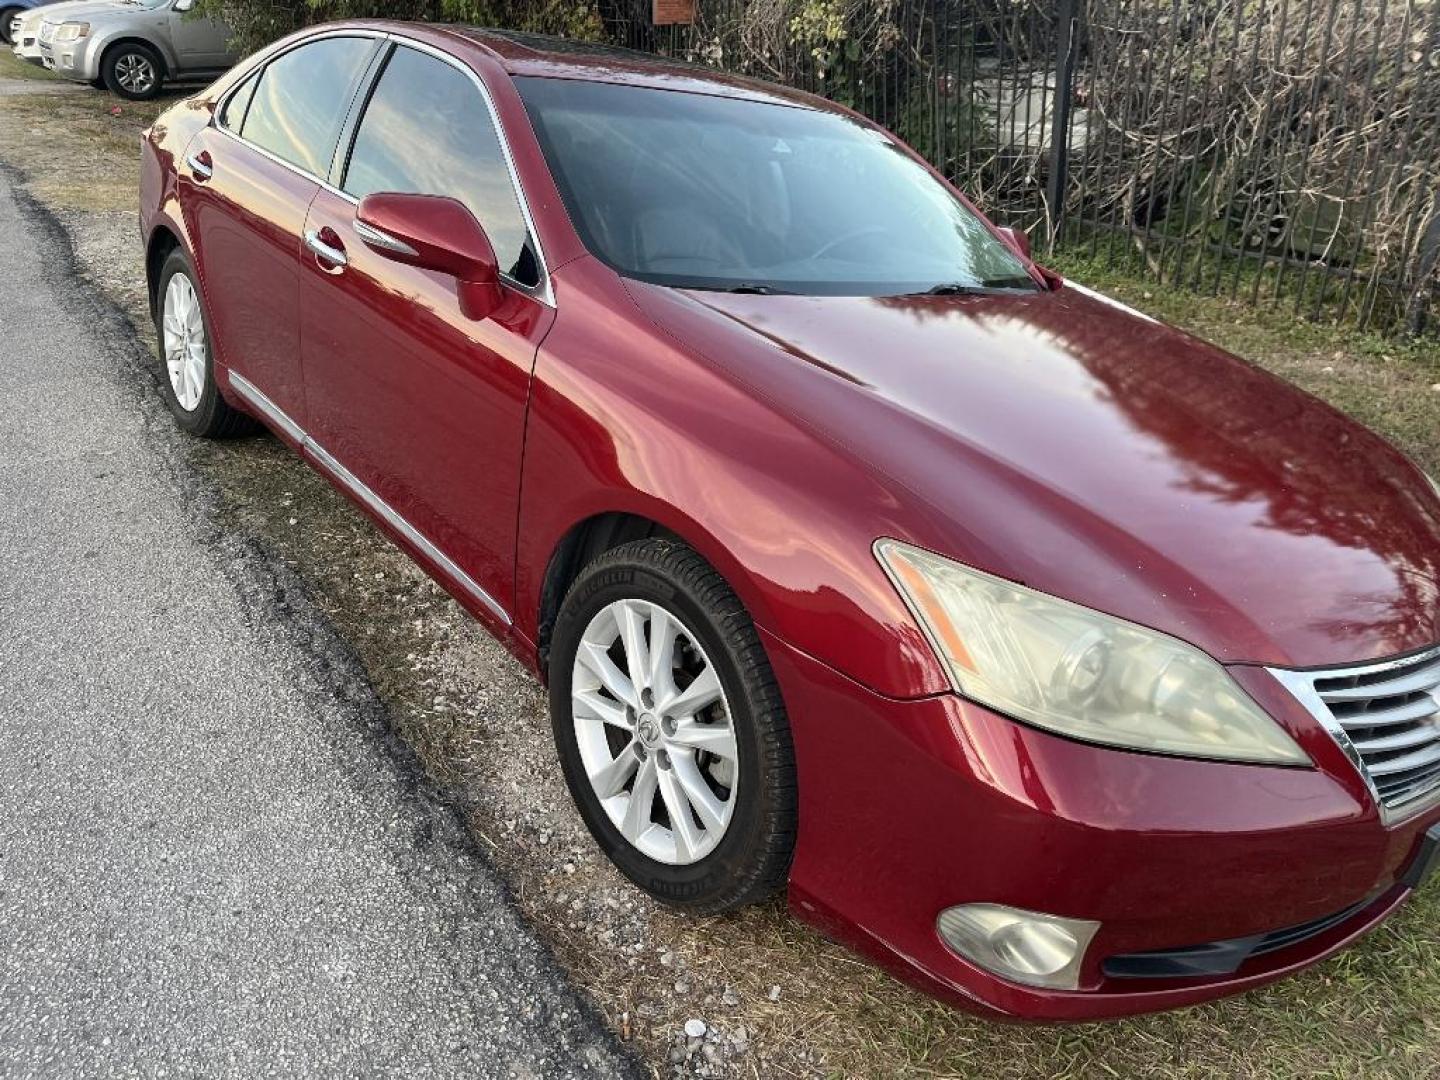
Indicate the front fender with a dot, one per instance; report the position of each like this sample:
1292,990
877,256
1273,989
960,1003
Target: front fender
104,39
623,419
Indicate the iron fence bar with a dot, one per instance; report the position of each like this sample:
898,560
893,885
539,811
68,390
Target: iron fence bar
1066,17
1183,241
1153,103
1279,212
1313,109
1252,208
1122,119
1228,96
1342,113
1424,293
1352,174
1383,176
1177,151
1228,202
1414,293
1097,159
1394,168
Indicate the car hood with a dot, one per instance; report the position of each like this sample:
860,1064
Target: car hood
1066,442
69,10
78,9
66,9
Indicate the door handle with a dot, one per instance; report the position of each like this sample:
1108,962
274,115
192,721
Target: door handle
201,165
326,253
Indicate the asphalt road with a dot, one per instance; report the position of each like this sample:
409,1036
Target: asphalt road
213,860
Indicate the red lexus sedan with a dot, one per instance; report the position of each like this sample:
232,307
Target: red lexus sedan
1064,664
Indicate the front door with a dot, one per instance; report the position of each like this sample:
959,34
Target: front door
425,407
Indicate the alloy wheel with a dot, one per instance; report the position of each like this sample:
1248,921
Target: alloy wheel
183,330
655,732
135,73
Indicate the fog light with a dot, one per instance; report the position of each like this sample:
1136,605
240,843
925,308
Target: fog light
1022,946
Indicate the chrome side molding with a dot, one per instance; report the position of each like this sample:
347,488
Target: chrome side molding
353,484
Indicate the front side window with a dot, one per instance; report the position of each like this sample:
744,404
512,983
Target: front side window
701,191
300,103
427,131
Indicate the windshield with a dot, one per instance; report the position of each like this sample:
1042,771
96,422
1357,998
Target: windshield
710,192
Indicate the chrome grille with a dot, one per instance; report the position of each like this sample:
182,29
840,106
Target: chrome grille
1386,717
47,32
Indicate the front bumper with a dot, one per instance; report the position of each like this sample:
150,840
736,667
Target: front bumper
910,807
76,60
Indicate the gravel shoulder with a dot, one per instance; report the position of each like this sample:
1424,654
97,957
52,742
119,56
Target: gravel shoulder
775,998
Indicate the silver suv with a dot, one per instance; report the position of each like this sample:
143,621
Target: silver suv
133,47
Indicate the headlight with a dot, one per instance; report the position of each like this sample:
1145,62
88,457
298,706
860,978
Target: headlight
72,31
1060,666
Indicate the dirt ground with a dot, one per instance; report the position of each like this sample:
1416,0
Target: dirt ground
777,999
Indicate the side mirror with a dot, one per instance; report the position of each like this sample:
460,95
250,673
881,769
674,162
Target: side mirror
182,5
1019,239
434,233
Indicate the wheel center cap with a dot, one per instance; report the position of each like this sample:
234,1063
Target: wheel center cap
649,730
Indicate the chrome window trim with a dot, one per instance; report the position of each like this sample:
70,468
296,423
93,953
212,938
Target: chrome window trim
348,480
542,292
1301,684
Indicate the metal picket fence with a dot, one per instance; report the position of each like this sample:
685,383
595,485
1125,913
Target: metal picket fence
1285,151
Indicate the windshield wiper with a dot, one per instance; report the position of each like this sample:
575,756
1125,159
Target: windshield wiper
755,287
952,288
983,288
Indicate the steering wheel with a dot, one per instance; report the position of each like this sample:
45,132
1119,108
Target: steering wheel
855,234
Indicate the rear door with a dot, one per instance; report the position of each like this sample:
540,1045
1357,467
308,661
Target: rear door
253,174
199,42
424,406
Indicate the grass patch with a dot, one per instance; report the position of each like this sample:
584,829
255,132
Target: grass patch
104,176
12,67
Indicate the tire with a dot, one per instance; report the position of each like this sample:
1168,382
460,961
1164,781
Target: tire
188,370
738,844
6,14
132,71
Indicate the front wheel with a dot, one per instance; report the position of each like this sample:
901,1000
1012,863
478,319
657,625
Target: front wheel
132,71
671,730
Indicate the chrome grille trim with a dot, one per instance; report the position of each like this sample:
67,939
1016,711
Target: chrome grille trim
1386,717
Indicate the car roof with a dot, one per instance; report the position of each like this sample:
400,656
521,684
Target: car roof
523,54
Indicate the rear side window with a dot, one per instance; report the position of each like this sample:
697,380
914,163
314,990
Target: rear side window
427,131
300,103
233,114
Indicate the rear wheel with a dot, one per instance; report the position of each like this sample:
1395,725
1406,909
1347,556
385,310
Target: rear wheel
132,71
670,728
184,341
